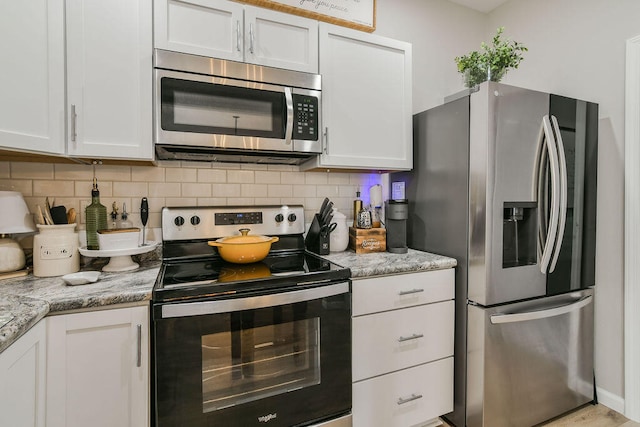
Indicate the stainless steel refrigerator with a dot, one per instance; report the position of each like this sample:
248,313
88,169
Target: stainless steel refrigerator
504,180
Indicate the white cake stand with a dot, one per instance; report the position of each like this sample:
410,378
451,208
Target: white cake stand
120,258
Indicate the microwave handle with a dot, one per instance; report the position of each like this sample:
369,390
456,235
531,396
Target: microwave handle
288,132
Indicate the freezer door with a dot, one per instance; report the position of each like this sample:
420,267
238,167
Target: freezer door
505,142
530,361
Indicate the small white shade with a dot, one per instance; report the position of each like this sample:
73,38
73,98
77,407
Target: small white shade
14,214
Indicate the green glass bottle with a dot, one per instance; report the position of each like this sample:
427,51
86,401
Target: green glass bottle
95,217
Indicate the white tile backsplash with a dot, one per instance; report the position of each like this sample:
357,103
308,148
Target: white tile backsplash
182,184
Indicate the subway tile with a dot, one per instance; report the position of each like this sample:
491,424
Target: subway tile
338,178
292,177
291,201
212,175
283,168
253,167
225,166
280,190
181,201
241,176
317,178
53,188
267,201
181,175
313,203
328,191
304,190
168,164
348,191
113,173
225,190
130,189
5,170
212,201
196,190
83,189
164,189
147,173
195,165
24,186
27,170
232,201
73,171
268,177
254,190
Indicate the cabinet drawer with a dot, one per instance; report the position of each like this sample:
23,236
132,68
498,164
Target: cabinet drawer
394,340
402,290
405,398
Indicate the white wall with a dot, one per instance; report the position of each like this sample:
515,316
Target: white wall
576,48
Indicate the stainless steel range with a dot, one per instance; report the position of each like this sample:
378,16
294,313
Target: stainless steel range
265,343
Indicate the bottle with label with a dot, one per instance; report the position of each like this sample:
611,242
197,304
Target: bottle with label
357,207
95,217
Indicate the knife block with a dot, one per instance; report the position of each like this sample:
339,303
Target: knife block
316,240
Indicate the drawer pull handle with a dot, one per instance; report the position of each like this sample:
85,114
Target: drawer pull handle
412,337
409,292
411,398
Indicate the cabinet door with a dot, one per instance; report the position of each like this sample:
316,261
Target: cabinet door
366,100
280,40
22,380
202,27
32,76
98,369
109,78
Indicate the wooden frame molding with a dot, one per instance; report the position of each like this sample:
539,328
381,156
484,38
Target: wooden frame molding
632,233
314,9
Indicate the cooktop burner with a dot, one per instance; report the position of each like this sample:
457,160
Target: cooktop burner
189,278
192,269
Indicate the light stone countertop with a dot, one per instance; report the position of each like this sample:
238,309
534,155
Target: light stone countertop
384,263
29,299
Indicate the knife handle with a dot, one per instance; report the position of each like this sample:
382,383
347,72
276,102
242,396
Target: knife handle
144,211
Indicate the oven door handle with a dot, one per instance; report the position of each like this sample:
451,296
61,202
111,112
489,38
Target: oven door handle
200,308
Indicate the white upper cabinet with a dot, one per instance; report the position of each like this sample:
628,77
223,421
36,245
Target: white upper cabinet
32,76
366,101
229,30
109,78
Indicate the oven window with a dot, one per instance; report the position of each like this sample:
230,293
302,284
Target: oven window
189,106
250,363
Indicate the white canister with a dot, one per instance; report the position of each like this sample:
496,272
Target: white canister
55,250
339,238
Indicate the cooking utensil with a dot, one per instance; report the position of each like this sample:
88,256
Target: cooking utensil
323,208
144,217
71,216
41,217
326,229
325,218
59,214
245,248
47,213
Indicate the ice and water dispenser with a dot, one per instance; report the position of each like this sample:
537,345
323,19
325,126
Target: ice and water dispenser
519,234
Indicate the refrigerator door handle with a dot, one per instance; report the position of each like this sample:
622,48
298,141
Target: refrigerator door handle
497,319
552,230
562,163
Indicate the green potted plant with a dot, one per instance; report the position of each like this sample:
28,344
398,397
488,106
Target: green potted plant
492,62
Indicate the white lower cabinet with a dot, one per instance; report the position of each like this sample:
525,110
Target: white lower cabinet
98,368
22,380
411,397
402,356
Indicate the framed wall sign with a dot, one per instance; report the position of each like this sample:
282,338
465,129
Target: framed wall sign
358,14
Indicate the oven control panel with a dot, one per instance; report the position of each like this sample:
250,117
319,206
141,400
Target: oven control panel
212,222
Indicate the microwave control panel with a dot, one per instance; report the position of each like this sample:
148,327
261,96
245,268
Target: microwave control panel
305,116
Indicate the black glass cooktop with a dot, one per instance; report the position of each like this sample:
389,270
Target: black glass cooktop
213,277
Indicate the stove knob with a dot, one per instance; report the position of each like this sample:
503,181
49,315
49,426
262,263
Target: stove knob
179,221
279,217
195,220
292,217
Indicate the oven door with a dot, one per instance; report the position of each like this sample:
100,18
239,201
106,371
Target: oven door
282,358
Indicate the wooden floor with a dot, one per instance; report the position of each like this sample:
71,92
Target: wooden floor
589,416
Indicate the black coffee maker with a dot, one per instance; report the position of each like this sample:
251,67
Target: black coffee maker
396,213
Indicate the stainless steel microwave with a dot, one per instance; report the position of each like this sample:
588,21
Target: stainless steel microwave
208,109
